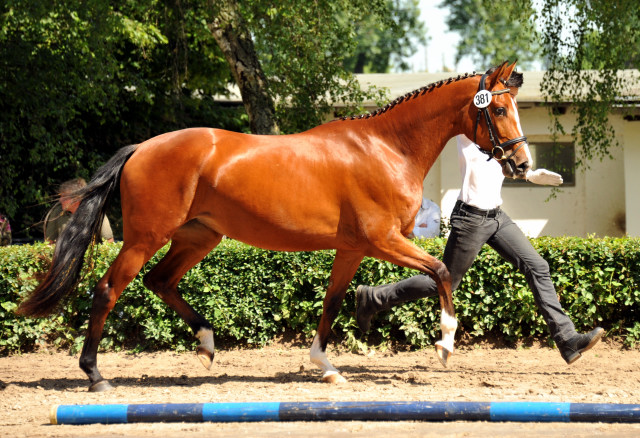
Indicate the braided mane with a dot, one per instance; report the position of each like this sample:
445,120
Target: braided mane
411,95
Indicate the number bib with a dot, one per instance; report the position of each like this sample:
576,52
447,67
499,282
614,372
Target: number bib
482,99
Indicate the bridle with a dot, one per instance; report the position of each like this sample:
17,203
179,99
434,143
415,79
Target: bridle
482,99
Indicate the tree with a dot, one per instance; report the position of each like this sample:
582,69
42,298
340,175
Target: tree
234,39
55,66
378,48
490,34
302,46
79,79
585,49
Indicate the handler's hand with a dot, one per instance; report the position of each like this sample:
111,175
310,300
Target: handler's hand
544,177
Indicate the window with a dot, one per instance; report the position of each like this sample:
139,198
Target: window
558,157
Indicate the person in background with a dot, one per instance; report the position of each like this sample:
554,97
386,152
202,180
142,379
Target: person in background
61,212
478,219
427,223
5,231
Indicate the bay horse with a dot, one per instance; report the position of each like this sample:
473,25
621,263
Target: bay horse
353,185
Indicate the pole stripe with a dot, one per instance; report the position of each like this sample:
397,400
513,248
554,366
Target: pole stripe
175,412
89,414
615,413
523,411
376,410
346,411
231,412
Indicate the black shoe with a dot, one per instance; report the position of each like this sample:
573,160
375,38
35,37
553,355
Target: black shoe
572,349
364,310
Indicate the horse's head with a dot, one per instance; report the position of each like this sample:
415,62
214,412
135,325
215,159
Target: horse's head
496,124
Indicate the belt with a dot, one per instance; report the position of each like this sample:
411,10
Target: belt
461,206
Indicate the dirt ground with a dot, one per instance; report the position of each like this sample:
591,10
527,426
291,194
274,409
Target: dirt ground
31,384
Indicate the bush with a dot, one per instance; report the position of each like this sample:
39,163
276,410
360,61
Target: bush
252,296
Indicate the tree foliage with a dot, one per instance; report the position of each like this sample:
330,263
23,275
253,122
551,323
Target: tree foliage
79,79
490,34
379,48
586,48
302,46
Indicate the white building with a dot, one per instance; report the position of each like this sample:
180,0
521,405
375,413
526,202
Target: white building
602,201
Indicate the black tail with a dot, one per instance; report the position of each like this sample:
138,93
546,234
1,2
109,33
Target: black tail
82,228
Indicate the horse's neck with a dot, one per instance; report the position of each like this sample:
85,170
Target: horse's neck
420,127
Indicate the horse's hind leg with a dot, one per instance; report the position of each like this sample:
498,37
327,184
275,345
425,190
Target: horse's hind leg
344,268
124,268
190,244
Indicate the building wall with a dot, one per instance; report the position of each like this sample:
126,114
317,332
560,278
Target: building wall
594,206
631,134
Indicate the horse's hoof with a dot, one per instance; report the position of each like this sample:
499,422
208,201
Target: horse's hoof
101,386
443,354
205,356
334,378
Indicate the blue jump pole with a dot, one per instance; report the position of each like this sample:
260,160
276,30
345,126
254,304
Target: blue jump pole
346,411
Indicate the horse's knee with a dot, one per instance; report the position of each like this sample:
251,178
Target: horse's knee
442,273
103,296
443,280
149,281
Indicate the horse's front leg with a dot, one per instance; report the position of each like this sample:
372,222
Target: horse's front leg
403,252
344,268
106,293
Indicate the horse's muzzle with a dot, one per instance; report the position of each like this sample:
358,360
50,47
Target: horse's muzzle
511,170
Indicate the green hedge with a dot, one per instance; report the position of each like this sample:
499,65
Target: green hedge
252,296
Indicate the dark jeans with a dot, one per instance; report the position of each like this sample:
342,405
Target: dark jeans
470,229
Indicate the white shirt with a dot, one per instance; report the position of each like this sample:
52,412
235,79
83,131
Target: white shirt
427,223
481,179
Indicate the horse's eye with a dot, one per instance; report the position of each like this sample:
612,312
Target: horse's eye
501,111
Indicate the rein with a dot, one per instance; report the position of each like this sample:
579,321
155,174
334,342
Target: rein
482,99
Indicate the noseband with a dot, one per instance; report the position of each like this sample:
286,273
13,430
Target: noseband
482,99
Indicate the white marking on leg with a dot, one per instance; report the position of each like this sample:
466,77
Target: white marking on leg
319,358
205,336
448,325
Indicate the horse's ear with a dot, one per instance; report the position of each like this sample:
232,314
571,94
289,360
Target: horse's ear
494,75
501,73
508,69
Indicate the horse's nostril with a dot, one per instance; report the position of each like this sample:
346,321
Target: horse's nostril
523,167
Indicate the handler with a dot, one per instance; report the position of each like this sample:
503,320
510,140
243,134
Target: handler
60,214
478,219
